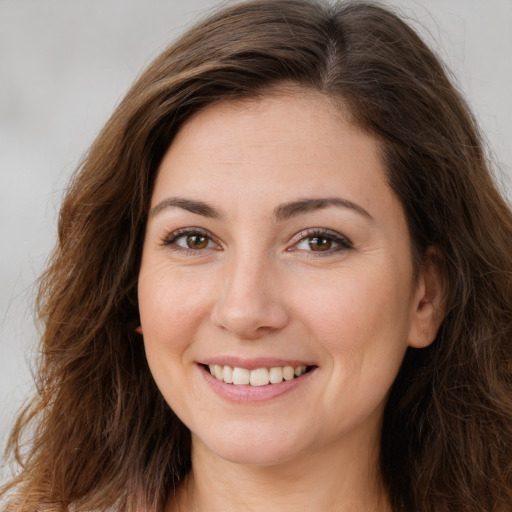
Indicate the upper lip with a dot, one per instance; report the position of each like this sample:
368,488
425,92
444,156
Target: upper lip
253,363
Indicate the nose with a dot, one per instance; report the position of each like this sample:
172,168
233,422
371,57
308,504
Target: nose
250,304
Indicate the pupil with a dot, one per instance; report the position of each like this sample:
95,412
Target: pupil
318,243
197,241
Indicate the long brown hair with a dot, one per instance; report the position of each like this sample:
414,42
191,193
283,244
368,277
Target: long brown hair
101,434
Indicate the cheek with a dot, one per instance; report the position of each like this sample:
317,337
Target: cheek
171,300
352,304
163,315
170,310
361,322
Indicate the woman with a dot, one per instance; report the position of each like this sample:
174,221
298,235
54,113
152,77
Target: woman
282,281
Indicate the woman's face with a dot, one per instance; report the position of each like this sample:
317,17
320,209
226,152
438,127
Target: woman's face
274,241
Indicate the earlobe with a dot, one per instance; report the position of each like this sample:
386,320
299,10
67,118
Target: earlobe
429,301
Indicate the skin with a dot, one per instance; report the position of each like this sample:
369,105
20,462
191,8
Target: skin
260,286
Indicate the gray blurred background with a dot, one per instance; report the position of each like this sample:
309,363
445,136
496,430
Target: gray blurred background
65,64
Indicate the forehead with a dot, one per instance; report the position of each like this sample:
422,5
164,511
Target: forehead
282,115
295,139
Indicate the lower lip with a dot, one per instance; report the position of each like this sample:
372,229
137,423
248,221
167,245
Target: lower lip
252,394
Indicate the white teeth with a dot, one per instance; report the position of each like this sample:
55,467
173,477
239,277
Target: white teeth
228,375
241,376
256,377
288,373
299,370
276,375
259,377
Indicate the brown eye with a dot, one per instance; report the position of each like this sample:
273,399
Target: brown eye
191,240
197,241
320,243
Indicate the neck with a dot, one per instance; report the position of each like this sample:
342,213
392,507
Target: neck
318,481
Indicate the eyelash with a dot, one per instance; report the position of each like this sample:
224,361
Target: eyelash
171,239
341,242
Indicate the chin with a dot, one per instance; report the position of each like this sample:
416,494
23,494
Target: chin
254,447
255,456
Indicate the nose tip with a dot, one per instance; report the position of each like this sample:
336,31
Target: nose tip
250,306
249,323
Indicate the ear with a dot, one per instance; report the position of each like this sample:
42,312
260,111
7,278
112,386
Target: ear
428,306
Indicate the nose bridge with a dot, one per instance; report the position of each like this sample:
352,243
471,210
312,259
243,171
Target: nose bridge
249,303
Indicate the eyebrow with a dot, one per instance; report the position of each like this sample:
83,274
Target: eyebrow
288,210
191,205
281,213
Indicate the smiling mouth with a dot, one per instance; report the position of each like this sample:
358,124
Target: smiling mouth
258,376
